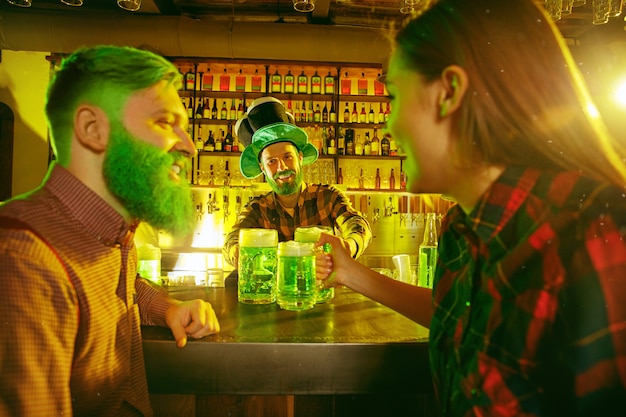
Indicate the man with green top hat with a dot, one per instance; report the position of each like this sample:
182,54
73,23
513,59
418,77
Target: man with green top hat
279,149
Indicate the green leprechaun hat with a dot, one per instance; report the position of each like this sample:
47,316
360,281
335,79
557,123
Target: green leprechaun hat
267,122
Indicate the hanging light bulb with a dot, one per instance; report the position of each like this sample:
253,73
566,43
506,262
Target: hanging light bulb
74,3
304,5
21,3
130,5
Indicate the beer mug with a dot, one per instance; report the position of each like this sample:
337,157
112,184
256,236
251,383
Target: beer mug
296,275
257,266
312,234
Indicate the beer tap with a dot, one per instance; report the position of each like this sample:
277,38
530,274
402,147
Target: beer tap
211,205
389,207
225,203
199,213
237,203
376,216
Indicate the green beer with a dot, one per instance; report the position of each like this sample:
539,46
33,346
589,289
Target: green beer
296,276
312,234
257,266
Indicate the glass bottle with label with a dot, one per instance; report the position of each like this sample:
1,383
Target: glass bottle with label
224,111
240,81
256,81
381,114
384,145
392,180
276,82
375,143
331,146
346,85
362,85
214,109
325,113
209,144
289,82
379,87
377,179
316,83
349,141
354,116
332,115
362,114
346,114
206,109
232,114
367,145
317,114
371,118
341,142
303,83
225,81
427,258
207,80
329,84
190,80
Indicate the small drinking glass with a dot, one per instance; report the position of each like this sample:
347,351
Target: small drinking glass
554,8
600,11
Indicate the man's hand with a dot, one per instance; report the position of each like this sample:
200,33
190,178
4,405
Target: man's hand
194,318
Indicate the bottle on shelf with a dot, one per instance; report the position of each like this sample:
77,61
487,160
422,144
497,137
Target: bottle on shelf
310,113
232,114
296,113
289,82
235,147
206,109
392,180
214,109
207,80
377,179
349,142
276,82
303,83
316,83
371,117
346,114
340,177
358,145
190,108
209,144
332,115
227,145
190,80
375,143
387,112
379,87
393,148
329,84
362,85
324,139
346,85
367,145
384,145
317,114
289,107
402,180
199,110
199,142
341,142
224,111
325,113
331,141
240,81
354,116
219,141
381,114
256,81
362,114
225,81
427,258
240,109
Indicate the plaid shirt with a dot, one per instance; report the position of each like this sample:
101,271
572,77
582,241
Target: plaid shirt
530,300
318,204
71,304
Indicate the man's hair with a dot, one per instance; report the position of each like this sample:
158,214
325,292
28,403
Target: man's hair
103,76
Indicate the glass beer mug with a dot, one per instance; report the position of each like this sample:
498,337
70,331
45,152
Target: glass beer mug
257,266
296,275
312,234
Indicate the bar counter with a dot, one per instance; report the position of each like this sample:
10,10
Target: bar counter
350,345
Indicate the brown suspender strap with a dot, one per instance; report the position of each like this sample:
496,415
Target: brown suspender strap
9,223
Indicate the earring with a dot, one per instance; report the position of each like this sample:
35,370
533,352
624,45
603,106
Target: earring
443,108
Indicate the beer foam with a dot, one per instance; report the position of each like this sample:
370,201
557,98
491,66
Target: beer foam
258,238
293,248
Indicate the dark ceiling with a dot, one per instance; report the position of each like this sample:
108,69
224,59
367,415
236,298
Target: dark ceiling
370,13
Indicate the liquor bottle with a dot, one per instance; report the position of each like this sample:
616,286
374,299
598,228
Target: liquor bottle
199,110
289,82
341,142
346,85
325,114
289,109
363,115
329,84
199,142
303,112
358,145
219,141
207,80
190,80
331,146
384,145
190,108
303,83
235,147
225,81
367,145
209,145
232,114
393,148
224,111
276,83
316,84
296,114
379,87
377,179
402,180
346,114
392,180
371,116
362,85
324,140
240,81
375,143
214,109
387,112
206,109
317,114
381,114
309,112
361,180
240,110
354,116
316,140
227,146
427,258
340,177
349,141
332,115
256,81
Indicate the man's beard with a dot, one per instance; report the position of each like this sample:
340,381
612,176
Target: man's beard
288,187
139,174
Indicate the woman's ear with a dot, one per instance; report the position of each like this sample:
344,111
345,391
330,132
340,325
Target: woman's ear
91,127
454,87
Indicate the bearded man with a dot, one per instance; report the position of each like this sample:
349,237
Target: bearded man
71,300
279,149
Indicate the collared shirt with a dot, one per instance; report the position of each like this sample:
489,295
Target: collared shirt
70,306
530,300
319,204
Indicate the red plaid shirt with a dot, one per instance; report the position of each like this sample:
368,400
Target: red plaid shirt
530,300
318,204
